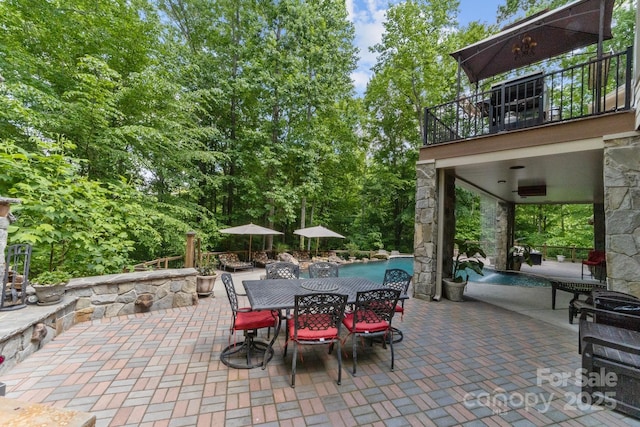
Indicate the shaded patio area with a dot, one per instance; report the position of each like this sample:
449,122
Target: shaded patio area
469,363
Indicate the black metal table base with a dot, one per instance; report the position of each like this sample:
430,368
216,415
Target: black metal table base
247,354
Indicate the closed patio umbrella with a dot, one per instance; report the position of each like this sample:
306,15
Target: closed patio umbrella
250,229
317,232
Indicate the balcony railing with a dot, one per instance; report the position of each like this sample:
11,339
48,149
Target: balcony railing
583,90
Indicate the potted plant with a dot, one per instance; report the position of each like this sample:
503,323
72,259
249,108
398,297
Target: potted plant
519,254
469,257
206,278
50,286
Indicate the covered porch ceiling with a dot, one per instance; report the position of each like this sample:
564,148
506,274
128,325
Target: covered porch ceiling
566,159
569,178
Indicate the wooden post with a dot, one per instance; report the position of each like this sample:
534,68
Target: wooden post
189,251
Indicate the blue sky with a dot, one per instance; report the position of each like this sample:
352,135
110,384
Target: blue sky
368,16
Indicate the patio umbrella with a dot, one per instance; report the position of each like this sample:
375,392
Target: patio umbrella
317,232
561,30
250,229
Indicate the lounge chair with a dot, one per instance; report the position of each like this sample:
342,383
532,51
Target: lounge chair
231,261
261,259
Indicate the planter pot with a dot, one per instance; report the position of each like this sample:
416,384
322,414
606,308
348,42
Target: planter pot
204,285
560,258
49,294
453,290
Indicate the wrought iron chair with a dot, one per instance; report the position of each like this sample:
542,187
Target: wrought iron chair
257,353
396,278
13,291
282,270
323,269
371,318
316,320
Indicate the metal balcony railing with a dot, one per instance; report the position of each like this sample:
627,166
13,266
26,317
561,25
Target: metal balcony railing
583,90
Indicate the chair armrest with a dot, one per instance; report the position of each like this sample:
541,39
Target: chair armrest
620,339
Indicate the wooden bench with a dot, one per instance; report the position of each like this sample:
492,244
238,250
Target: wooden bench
611,366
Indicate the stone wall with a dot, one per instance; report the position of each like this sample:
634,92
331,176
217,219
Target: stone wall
129,293
622,211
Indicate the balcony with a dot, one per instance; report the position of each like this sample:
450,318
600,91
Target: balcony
593,88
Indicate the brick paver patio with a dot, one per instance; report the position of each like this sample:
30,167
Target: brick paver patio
468,363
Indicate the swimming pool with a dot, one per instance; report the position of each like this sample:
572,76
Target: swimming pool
374,271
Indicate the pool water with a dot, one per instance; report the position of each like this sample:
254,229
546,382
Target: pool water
374,271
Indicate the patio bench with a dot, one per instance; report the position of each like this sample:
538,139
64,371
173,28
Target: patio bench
232,261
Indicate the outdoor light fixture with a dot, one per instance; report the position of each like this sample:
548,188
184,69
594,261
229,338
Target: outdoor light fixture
532,190
526,47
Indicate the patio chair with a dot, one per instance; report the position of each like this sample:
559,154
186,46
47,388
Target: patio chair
282,270
231,261
316,320
249,321
261,259
596,263
323,269
396,278
371,318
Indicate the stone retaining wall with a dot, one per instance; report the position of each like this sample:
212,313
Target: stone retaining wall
129,293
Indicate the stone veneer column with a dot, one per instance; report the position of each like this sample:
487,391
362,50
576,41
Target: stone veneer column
504,211
426,231
622,211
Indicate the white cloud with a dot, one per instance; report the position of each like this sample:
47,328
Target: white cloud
368,17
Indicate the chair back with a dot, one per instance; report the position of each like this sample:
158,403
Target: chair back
282,270
617,303
596,256
375,306
231,291
396,278
323,269
319,312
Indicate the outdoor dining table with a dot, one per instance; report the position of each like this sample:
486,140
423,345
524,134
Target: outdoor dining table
279,294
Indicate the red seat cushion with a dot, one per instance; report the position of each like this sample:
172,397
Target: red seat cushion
363,327
399,309
306,334
255,320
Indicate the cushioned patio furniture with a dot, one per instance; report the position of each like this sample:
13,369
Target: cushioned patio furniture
316,320
323,269
250,353
231,261
371,319
261,259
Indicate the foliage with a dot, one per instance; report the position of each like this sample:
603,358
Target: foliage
520,252
50,278
207,269
468,257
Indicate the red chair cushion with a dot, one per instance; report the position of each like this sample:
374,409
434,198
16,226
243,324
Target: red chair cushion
306,334
254,320
399,309
363,327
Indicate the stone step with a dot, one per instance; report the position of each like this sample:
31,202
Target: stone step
23,414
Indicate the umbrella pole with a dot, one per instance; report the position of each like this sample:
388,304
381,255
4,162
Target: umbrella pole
250,236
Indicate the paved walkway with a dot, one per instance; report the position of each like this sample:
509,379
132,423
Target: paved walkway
469,363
